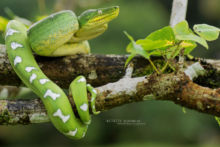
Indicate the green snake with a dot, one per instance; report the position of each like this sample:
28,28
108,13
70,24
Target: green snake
59,34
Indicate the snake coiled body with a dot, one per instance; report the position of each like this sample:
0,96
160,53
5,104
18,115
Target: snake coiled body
47,38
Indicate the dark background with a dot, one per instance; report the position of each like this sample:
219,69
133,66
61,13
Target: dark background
154,123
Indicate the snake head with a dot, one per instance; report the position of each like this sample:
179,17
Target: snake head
96,17
94,22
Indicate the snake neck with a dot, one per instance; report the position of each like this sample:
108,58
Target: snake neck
88,33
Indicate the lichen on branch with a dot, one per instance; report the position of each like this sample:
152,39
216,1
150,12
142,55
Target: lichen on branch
117,89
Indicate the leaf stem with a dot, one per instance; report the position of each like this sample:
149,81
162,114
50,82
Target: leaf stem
154,67
164,67
173,68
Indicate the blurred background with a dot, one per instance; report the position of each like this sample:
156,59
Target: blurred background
149,123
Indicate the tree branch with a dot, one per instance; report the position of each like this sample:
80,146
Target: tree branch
176,87
98,69
178,13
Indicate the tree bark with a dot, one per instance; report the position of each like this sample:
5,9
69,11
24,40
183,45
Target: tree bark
178,13
124,86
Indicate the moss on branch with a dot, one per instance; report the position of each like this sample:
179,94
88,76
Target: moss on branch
108,71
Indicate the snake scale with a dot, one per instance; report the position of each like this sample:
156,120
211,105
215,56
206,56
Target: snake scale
60,34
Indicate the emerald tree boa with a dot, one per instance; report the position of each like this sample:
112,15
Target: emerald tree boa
59,34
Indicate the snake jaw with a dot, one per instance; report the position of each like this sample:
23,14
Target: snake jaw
92,20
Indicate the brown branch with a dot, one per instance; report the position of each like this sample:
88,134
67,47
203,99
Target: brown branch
178,13
98,69
176,87
173,87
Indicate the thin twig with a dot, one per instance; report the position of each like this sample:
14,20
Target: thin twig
173,87
178,13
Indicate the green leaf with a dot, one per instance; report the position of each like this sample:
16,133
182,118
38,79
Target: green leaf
207,32
188,46
166,33
195,38
182,32
149,45
159,39
181,28
135,49
140,51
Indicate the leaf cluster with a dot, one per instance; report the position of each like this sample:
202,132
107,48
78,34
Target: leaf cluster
168,42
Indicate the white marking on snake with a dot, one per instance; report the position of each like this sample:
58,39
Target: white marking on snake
59,114
84,107
10,32
43,81
84,133
81,79
93,98
51,94
94,91
99,12
15,45
17,60
72,133
29,68
33,77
